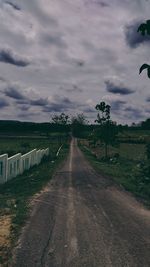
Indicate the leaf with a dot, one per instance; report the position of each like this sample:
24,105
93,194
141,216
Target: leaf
142,28
97,107
143,67
148,26
148,72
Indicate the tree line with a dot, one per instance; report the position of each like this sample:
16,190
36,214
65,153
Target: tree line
63,123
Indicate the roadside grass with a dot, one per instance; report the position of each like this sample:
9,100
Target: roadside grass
16,194
16,145
125,170
136,135
136,152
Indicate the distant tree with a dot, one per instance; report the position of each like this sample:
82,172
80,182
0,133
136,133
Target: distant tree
104,114
148,151
61,119
78,124
79,118
108,130
146,124
144,29
61,125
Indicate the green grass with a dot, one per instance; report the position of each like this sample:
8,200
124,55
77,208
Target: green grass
24,145
125,171
136,135
15,195
132,151
135,152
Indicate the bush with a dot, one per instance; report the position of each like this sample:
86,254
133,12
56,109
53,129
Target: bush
148,150
25,145
116,155
141,179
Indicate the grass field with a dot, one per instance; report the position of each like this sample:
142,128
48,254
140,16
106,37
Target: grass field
125,150
125,170
136,152
12,146
137,133
141,135
16,194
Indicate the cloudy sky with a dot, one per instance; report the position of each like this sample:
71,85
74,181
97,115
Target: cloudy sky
67,56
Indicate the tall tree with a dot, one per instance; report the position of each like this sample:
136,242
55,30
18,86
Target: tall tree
61,125
78,124
61,119
108,130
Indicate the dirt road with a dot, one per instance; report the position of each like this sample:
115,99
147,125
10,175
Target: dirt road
82,219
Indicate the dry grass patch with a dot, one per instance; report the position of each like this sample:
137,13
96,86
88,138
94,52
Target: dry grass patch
5,242
5,227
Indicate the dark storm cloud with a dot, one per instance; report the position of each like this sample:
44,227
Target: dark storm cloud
96,2
117,105
7,56
16,7
148,99
63,100
39,102
35,8
132,112
117,89
59,104
21,99
3,79
55,39
3,103
89,110
64,104
14,93
24,101
27,115
24,108
147,110
100,3
103,4
54,107
134,38
75,89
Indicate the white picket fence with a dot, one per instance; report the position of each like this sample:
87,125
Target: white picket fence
17,164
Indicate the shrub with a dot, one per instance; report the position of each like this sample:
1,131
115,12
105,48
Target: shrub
25,145
148,150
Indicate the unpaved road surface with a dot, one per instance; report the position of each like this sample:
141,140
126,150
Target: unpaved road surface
82,219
